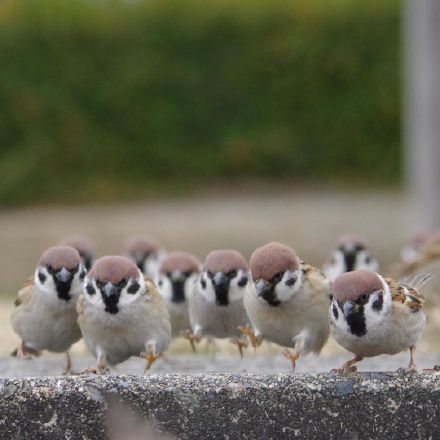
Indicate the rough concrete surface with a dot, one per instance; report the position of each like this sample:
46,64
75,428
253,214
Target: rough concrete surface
223,406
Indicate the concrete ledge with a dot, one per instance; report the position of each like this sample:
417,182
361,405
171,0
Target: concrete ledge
192,406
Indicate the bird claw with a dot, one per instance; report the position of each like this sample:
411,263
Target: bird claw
292,356
250,333
150,357
410,370
345,369
95,370
241,343
192,338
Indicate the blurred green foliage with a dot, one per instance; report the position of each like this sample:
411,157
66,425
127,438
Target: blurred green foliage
103,99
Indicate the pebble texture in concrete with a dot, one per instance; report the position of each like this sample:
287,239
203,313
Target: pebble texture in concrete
223,406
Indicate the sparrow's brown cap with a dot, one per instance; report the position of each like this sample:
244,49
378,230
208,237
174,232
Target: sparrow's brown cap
353,240
139,244
351,285
59,257
183,261
271,259
81,243
113,269
225,261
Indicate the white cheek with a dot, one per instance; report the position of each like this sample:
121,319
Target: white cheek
236,292
208,292
361,262
284,292
164,287
189,284
335,267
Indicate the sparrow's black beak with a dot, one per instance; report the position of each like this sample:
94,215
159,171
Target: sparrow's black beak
110,290
349,259
348,308
262,287
221,286
64,275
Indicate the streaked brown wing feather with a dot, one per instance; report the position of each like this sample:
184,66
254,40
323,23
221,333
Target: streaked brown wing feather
25,293
406,296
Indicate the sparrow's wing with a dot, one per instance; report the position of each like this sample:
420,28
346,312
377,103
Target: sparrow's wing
80,305
317,281
25,293
151,293
407,297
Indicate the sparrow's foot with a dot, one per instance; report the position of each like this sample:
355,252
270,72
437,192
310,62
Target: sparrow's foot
241,343
348,367
192,338
25,352
345,369
292,355
95,370
435,369
250,333
151,357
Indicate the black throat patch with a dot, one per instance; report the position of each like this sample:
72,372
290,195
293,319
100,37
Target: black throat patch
356,322
63,288
270,297
178,295
222,294
111,303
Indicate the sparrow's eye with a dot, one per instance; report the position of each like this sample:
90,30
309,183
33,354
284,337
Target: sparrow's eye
277,277
90,289
100,284
187,274
50,269
368,259
210,274
82,275
203,283
168,274
76,268
133,288
363,298
122,283
291,281
231,274
160,283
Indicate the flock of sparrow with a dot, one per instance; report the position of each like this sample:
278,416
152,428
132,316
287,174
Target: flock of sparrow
133,305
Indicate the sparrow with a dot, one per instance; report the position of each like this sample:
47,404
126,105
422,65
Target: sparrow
146,252
428,253
45,314
350,254
216,302
121,314
289,302
371,315
84,246
178,273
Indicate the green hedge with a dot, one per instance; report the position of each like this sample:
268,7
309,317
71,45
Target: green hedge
101,99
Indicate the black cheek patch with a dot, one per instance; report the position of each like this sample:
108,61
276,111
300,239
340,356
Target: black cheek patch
133,288
290,281
378,303
159,283
335,311
42,277
243,282
356,323
203,284
90,289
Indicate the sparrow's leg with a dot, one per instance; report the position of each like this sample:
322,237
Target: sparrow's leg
150,355
292,355
240,343
348,367
412,365
24,352
192,337
254,339
100,367
68,365
211,346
